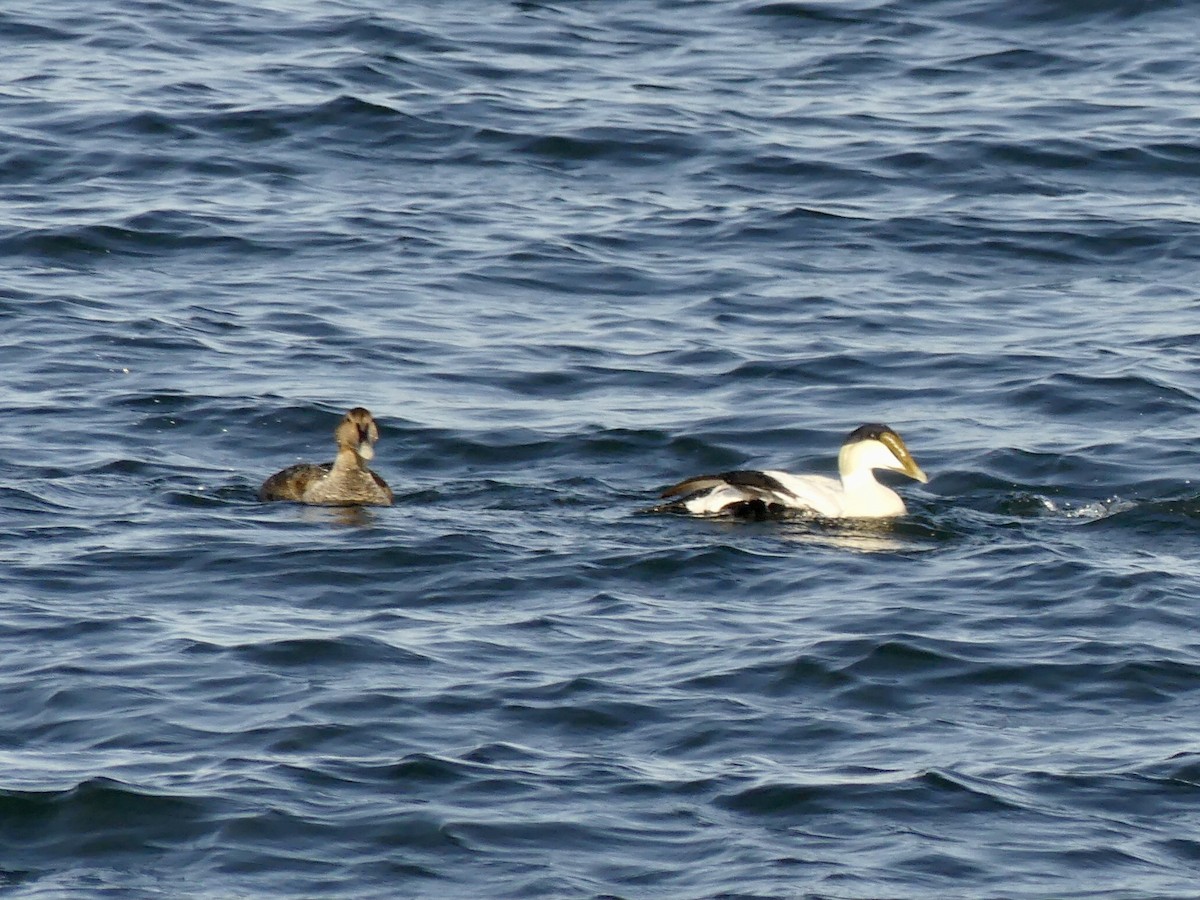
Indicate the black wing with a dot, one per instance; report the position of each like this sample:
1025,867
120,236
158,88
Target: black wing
743,478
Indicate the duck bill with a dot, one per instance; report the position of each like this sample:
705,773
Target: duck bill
908,465
366,451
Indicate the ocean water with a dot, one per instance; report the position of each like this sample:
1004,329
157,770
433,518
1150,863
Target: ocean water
569,253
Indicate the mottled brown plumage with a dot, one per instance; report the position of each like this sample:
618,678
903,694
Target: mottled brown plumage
346,481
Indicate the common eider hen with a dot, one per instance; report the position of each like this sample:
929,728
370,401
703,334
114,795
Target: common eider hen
346,481
857,494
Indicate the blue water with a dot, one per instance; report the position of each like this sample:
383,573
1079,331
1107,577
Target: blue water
569,253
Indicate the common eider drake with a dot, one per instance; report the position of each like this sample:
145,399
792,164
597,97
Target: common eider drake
857,494
346,481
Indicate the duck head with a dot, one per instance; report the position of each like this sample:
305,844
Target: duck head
357,432
877,447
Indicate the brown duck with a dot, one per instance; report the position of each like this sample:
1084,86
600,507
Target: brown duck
346,481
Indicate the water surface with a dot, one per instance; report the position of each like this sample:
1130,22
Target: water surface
569,254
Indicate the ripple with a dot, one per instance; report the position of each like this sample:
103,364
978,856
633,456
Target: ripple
568,254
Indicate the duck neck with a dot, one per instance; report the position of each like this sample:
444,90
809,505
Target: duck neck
850,467
857,475
859,481
348,461
864,495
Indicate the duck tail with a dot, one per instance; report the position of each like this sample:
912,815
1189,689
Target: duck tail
674,507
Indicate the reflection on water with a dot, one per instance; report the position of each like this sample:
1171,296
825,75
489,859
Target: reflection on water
859,536
355,516
859,541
